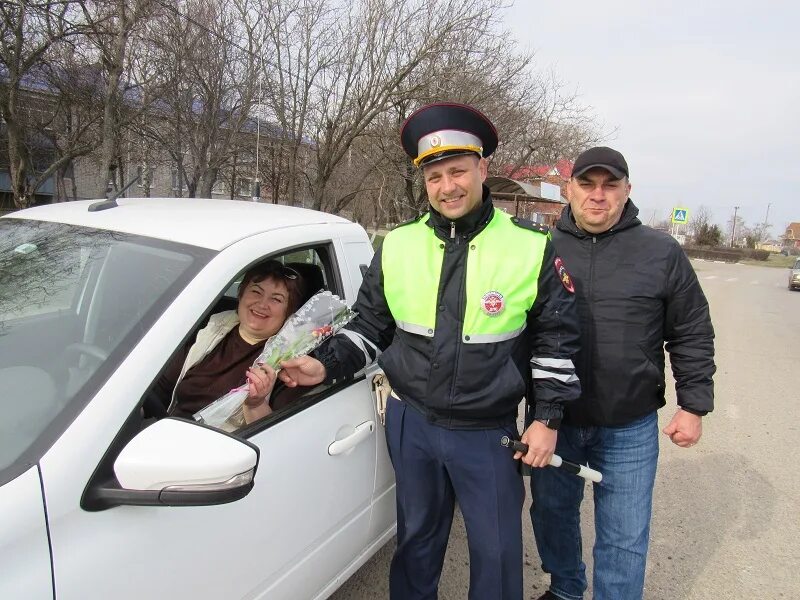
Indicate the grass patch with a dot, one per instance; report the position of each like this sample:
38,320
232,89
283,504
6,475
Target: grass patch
376,243
775,260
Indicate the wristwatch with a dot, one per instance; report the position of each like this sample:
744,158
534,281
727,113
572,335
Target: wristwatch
553,423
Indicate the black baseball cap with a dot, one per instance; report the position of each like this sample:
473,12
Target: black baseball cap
601,157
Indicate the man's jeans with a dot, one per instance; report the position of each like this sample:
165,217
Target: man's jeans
627,457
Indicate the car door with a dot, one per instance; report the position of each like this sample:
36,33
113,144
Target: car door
305,521
316,475
358,253
24,552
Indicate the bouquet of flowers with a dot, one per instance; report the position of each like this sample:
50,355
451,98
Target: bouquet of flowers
318,319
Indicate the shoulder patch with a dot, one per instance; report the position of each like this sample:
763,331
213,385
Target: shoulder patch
411,220
563,275
527,224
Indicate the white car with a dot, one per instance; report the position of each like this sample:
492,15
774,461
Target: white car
95,502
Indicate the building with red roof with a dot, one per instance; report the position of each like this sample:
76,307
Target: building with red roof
556,174
791,239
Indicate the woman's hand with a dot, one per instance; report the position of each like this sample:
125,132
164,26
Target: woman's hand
261,380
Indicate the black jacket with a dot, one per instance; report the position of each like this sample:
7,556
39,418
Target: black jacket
636,292
460,385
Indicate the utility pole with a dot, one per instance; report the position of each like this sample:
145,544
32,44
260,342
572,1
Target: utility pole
257,174
733,233
256,178
766,217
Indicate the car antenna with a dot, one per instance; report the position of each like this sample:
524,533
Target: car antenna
111,197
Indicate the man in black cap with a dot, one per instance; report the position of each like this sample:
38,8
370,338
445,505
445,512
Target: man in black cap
636,292
467,306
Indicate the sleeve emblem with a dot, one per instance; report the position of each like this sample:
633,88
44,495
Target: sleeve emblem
563,275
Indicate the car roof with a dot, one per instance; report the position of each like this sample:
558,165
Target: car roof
202,222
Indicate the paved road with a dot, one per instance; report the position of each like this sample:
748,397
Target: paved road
726,520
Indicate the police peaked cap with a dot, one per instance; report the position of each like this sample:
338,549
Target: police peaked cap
442,130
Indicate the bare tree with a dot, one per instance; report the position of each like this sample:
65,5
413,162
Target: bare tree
325,83
299,45
30,108
110,27
754,235
537,119
336,67
383,43
550,123
701,229
207,59
700,221
162,130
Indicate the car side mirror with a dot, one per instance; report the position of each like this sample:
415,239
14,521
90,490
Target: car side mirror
175,462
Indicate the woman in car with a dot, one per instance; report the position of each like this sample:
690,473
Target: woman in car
220,357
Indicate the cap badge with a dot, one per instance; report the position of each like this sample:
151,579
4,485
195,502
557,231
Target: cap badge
493,303
435,141
563,275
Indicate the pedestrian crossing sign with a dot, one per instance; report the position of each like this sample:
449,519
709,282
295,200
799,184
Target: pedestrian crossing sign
680,215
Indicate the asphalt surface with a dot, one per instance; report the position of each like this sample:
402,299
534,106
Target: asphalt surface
726,522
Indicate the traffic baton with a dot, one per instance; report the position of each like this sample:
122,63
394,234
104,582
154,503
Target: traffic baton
556,461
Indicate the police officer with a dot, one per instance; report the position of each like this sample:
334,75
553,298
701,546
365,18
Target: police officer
463,305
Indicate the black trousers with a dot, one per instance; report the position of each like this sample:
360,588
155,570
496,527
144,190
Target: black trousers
434,468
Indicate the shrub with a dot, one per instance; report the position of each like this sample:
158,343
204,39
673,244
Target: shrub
730,255
756,254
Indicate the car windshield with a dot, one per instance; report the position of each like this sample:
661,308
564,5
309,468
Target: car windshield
73,302
797,265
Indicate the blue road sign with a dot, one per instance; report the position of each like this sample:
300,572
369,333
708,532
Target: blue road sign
680,215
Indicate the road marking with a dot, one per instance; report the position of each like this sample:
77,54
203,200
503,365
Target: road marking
754,282
732,279
710,277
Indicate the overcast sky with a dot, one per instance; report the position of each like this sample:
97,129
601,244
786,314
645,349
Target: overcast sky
704,94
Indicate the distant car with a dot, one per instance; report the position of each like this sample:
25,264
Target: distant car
794,276
98,502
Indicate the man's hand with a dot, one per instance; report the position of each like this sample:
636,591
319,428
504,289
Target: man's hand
684,429
541,442
302,370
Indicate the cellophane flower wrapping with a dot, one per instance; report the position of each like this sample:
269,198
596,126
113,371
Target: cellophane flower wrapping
318,319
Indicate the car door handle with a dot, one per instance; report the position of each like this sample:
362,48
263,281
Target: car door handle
361,433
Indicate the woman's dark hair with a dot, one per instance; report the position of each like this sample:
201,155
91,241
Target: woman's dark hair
277,271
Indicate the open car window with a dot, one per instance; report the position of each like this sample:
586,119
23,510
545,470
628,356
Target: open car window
315,264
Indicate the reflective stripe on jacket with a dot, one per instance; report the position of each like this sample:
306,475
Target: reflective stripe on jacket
459,383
